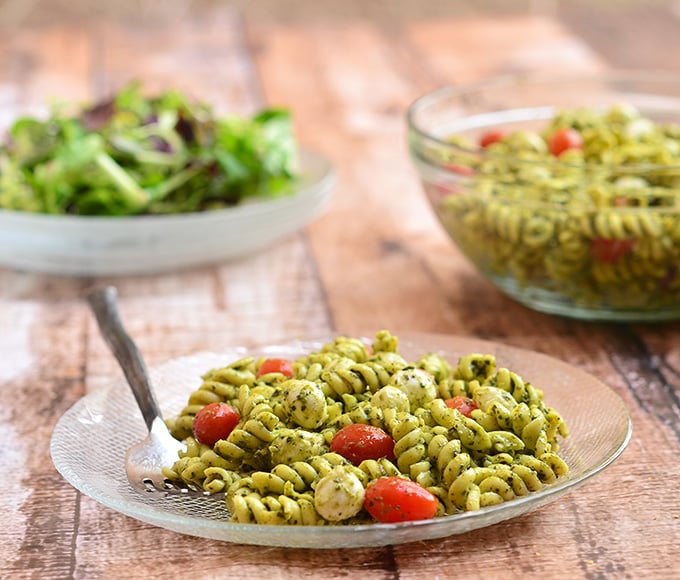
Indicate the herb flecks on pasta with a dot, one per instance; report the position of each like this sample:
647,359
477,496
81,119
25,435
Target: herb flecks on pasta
276,466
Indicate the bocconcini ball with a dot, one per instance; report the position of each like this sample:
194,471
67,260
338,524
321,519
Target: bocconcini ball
418,385
291,445
390,397
339,495
305,403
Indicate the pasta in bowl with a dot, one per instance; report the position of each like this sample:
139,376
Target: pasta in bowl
564,192
599,431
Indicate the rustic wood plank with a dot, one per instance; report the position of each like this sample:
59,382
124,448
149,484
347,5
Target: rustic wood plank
642,36
204,58
359,96
353,111
42,370
377,259
41,66
39,383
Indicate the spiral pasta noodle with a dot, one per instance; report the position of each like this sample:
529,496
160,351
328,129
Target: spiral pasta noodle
277,462
572,225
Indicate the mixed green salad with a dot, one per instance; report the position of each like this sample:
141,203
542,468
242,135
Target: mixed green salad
133,154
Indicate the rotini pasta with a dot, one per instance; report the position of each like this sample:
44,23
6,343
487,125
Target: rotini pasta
277,467
594,226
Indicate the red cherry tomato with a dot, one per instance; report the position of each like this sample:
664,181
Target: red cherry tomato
564,139
438,191
459,169
395,499
490,137
214,422
276,365
464,404
358,442
607,250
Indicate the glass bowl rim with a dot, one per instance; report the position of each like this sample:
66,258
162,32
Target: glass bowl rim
449,91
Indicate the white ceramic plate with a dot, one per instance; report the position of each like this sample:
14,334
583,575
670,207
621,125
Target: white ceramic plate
90,441
92,246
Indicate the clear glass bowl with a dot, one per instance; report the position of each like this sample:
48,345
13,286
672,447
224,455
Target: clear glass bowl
532,231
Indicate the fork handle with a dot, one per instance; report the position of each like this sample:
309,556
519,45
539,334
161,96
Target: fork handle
103,304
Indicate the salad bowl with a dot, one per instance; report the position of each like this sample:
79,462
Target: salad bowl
138,184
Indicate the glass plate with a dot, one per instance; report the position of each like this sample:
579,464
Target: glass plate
99,245
89,444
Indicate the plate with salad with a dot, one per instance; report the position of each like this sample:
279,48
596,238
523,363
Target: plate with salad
140,184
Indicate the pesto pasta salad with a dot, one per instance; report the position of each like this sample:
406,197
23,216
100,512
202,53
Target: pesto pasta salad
353,433
577,214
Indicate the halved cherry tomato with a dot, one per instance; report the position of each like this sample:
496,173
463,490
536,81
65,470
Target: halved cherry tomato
357,442
464,404
438,191
396,499
214,422
490,137
564,139
276,365
459,169
607,250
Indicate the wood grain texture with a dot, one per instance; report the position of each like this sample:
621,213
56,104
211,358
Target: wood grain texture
643,36
380,242
376,259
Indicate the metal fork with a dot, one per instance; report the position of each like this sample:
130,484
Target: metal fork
144,460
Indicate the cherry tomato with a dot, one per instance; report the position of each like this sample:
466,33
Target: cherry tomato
464,404
490,137
564,139
276,365
358,442
214,422
396,499
607,250
438,191
459,169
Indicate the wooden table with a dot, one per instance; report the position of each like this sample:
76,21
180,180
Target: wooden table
376,259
